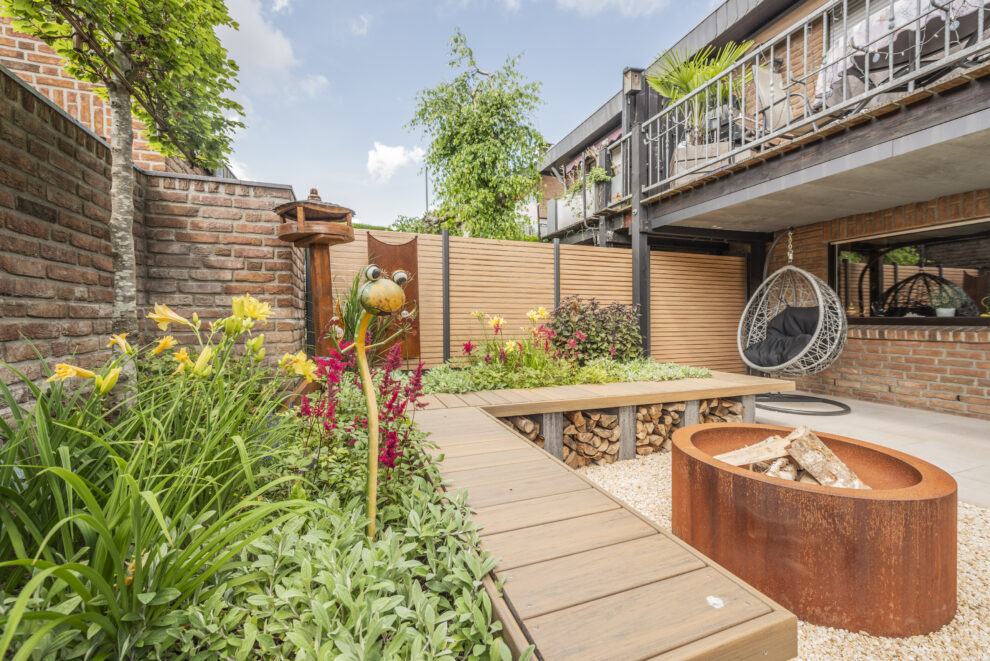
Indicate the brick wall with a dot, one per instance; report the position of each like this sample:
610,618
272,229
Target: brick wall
937,368
199,241
37,64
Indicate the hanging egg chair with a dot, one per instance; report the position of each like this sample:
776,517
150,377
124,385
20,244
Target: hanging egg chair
793,325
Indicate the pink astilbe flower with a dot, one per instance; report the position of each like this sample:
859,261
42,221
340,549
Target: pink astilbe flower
580,336
467,347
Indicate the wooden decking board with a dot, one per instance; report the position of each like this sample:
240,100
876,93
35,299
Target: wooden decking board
646,621
497,494
586,577
480,447
466,462
554,540
552,585
450,401
537,511
479,477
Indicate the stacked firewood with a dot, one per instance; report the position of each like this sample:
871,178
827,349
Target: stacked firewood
800,456
655,425
720,410
590,437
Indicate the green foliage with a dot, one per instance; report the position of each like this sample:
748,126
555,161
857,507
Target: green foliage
119,511
448,378
422,225
597,331
903,256
180,516
485,150
676,75
168,53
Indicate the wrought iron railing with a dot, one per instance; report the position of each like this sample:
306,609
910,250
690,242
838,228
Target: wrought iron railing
840,59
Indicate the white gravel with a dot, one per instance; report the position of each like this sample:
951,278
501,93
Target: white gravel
644,483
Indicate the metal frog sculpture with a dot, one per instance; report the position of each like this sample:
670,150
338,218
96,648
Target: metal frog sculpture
379,296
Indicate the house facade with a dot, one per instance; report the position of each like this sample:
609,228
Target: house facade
863,127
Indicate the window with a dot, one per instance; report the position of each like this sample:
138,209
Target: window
938,273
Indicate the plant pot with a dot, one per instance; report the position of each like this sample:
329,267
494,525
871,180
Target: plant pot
945,312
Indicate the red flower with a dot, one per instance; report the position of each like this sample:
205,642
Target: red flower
611,349
467,347
571,343
579,335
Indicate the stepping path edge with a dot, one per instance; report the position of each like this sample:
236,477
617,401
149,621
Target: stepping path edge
771,635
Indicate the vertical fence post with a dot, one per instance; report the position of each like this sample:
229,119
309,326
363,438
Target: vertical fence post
556,273
552,428
749,408
640,240
445,265
627,438
692,413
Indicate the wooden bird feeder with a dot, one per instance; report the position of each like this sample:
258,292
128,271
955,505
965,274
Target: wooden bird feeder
317,225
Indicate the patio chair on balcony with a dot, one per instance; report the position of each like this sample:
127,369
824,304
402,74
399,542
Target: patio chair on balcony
775,107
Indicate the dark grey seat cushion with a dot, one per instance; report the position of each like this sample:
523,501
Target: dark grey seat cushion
788,334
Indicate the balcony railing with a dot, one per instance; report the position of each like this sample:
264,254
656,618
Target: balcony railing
826,66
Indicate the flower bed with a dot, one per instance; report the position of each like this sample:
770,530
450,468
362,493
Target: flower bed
175,508
580,342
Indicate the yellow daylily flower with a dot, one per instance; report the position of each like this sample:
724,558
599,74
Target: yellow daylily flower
477,315
182,357
104,384
496,321
533,315
542,313
164,343
65,371
248,307
300,364
120,341
202,366
510,347
163,316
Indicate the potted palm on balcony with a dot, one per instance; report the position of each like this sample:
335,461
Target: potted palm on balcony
675,77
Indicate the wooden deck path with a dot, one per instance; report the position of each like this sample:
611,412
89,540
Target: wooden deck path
585,576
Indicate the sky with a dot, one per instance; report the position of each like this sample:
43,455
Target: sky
329,87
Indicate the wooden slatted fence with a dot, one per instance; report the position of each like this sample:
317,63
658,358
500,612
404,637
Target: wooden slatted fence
696,300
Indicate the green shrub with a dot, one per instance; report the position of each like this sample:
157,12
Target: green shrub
585,329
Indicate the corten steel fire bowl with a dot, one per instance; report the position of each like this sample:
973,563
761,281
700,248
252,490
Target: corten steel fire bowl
881,560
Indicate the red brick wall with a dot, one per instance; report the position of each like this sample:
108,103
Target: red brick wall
937,368
199,241
37,64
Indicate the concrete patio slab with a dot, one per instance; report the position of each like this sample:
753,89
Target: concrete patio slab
957,445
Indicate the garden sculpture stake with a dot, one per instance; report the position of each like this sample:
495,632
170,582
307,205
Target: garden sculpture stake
379,296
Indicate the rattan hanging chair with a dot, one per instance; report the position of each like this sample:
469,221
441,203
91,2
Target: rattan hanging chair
793,325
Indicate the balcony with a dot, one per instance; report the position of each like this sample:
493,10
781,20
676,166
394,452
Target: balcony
827,72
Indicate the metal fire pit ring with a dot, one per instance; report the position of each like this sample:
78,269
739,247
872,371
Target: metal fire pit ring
881,560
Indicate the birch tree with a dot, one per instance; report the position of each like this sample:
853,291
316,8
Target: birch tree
159,61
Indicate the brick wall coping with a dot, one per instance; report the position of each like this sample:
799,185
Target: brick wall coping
219,180
975,334
51,104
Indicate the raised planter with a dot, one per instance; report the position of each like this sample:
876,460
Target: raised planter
881,560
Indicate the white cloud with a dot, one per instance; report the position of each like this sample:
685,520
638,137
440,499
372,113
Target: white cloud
263,53
624,7
360,25
240,170
513,5
383,160
313,84
280,5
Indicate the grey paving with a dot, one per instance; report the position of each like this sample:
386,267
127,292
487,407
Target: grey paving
958,445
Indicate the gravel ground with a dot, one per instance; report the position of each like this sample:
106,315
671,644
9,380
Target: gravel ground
644,483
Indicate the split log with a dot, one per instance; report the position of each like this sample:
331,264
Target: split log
816,458
783,468
570,430
576,417
769,449
608,420
806,478
525,425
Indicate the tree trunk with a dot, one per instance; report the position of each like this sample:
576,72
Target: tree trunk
122,212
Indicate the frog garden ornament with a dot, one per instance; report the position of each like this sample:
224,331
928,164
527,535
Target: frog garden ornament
379,296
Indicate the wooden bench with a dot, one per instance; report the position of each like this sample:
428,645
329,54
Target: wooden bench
584,575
